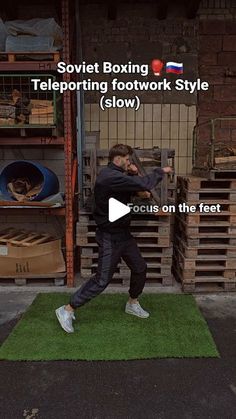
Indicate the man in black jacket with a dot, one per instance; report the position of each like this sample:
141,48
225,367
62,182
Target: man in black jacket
118,180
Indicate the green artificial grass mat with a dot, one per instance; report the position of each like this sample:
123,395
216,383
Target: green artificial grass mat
103,331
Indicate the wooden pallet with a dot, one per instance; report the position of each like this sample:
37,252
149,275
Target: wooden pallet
207,196
201,251
204,286
150,230
150,281
224,206
89,182
212,229
142,238
203,274
193,183
147,251
23,238
159,261
154,270
214,174
12,57
214,238
223,218
86,261
216,242
56,279
207,283
94,160
83,229
160,219
123,277
204,262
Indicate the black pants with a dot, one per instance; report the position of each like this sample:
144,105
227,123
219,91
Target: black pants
110,251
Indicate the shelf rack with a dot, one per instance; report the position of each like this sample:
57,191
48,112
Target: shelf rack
67,141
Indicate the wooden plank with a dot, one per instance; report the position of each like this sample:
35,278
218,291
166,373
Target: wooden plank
93,166
193,183
203,249
210,197
207,275
164,222
164,279
214,174
16,240
184,230
213,243
203,219
142,172
154,262
141,240
23,238
141,230
158,271
25,203
164,182
192,276
11,57
212,287
212,230
14,237
210,262
229,159
29,237
45,238
162,252
9,232
139,234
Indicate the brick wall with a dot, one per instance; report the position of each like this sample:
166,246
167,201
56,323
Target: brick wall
217,56
138,36
165,119
217,9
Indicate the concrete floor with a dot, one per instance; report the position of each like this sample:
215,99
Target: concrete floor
147,389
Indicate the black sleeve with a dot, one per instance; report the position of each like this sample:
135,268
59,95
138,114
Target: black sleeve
137,183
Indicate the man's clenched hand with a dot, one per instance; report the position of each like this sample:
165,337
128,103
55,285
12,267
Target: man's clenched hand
167,169
144,194
133,169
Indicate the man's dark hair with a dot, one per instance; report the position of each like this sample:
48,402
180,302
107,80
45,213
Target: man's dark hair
120,150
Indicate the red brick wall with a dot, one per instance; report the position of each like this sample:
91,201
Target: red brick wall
217,55
137,35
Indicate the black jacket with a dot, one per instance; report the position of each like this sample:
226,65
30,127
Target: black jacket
114,182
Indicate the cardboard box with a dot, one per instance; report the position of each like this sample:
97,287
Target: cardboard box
39,259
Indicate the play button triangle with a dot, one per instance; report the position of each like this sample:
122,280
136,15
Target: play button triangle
116,210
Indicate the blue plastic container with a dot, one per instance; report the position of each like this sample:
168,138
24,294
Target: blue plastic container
35,172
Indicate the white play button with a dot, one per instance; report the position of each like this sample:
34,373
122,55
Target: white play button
117,210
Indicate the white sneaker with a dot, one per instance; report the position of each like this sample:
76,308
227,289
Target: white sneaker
136,310
65,318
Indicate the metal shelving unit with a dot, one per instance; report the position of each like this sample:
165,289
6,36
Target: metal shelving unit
37,141
31,66
67,141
